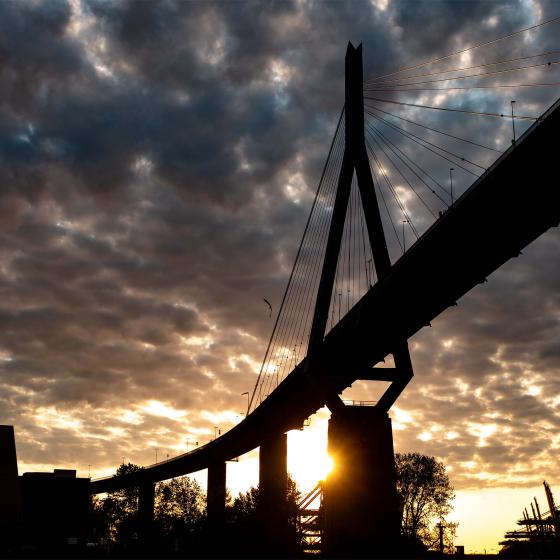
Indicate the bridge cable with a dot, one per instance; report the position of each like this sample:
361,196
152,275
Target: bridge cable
304,307
302,292
369,279
419,141
398,83
462,68
326,225
357,244
334,291
461,51
394,126
380,139
356,279
436,130
380,168
296,261
395,195
303,297
464,88
349,243
334,296
479,113
410,163
394,191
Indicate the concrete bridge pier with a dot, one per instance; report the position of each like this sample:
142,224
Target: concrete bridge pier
146,499
216,495
273,485
360,499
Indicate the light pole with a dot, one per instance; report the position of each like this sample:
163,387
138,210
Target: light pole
217,432
513,121
89,471
156,454
403,236
451,169
246,393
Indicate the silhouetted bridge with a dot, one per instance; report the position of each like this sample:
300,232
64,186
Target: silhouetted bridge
511,204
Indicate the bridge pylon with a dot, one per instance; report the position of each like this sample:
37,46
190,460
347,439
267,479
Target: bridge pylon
360,499
355,160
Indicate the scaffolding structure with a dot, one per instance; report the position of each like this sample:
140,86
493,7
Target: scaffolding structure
310,520
539,532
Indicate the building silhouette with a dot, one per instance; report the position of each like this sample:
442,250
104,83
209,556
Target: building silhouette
40,511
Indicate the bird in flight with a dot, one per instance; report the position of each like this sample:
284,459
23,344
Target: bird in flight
269,306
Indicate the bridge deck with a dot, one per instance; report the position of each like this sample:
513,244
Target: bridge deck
515,201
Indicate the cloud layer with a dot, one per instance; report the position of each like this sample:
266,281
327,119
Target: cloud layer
157,164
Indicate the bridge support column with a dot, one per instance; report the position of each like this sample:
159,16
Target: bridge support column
273,485
360,498
216,495
146,498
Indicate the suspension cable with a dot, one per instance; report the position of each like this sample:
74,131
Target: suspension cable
479,75
422,140
370,151
461,51
434,129
462,88
402,174
403,157
397,198
479,113
462,68
296,261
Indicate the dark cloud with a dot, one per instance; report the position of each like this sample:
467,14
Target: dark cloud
146,150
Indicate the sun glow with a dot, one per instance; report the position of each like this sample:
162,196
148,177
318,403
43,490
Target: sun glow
308,460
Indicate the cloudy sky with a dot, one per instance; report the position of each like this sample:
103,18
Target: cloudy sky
157,165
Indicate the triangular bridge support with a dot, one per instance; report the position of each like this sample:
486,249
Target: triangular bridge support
356,160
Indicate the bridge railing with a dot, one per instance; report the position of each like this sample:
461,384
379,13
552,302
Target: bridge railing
352,402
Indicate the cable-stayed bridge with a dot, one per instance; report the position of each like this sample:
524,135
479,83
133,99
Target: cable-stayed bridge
355,296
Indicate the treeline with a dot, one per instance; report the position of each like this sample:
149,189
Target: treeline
180,523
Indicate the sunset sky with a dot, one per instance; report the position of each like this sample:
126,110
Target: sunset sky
157,165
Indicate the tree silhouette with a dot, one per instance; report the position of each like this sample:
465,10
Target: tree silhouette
245,525
424,493
245,504
180,504
179,508
116,515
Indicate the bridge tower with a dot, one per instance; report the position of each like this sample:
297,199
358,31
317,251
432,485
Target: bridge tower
360,500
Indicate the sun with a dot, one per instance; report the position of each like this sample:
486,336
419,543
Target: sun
308,460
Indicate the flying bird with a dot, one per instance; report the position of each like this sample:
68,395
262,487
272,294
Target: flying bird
269,305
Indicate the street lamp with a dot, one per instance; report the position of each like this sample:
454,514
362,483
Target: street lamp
246,393
217,432
156,454
451,169
513,121
403,237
